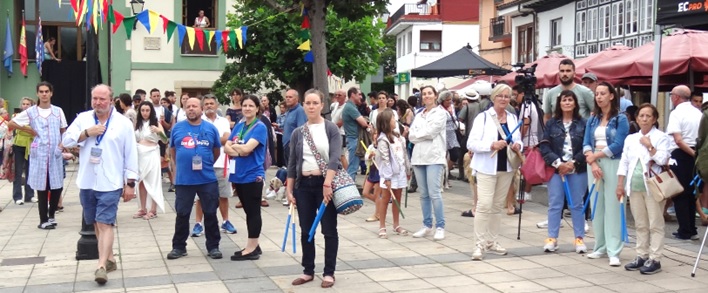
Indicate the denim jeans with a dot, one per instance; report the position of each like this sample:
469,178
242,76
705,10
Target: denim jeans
309,196
21,166
577,184
184,201
353,167
429,179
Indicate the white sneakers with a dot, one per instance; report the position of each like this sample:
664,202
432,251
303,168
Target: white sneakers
596,255
19,202
425,231
527,196
551,245
477,254
615,261
587,226
439,233
496,249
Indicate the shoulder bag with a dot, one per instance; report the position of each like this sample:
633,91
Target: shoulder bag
345,195
664,185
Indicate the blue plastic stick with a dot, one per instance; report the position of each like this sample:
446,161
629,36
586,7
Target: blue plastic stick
623,222
594,206
285,238
320,213
294,239
587,200
567,192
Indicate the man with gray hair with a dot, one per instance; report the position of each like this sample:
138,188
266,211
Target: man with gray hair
683,125
295,118
103,179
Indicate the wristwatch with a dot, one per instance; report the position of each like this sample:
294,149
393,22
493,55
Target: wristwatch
131,184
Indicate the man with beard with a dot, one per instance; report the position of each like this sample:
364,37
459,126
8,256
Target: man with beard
108,156
195,145
566,74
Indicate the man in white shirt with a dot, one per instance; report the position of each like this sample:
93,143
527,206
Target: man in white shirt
108,156
222,125
683,125
340,98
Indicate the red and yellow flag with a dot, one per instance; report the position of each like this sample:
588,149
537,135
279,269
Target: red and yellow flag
23,49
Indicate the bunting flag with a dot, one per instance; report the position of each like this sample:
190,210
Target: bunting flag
128,24
199,35
171,26
22,50
81,12
217,38
181,31
39,47
165,23
239,36
305,22
244,30
190,37
232,39
225,40
9,50
144,19
209,37
309,57
304,35
153,18
304,46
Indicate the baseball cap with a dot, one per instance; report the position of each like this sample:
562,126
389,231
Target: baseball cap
590,76
472,95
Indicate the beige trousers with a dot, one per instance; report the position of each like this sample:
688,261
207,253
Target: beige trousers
490,202
649,221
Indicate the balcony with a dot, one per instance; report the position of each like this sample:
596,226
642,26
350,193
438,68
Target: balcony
500,29
411,12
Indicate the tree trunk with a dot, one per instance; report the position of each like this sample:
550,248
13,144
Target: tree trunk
317,14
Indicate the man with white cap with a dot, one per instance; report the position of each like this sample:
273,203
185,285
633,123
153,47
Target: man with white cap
589,80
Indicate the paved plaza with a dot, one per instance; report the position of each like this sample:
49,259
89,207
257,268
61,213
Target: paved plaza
365,262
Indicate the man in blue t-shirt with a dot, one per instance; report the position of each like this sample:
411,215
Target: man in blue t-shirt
293,119
195,144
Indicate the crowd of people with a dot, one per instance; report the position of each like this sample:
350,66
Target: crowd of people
590,136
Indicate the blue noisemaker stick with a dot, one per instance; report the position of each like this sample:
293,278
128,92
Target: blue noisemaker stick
287,226
294,231
587,200
318,218
625,234
594,206
567,191
508,136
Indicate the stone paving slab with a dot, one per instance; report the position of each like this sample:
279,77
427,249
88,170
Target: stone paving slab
365,262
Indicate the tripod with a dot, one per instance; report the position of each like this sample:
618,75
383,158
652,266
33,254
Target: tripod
700,252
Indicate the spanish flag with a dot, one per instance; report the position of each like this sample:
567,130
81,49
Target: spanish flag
23,49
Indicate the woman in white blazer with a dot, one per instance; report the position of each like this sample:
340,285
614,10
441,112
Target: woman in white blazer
647,145
427,132
495,161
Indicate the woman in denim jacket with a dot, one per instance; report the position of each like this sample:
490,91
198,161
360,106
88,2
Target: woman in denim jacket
604,139
562,148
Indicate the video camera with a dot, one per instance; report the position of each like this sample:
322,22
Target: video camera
527,81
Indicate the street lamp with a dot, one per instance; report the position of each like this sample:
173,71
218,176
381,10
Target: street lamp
137,6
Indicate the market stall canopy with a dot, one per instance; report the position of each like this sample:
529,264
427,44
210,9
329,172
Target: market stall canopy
683,54
546,71
681,12
462,62
604,55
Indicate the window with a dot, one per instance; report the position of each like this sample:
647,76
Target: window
592,3
579,51
409,44
592,24
631,42
645,39
556,32
647,16
604,45
631,17
605,1
604,23
580,26
592,49
191,8
525,44
430,40
580,4
617,19
55,24
398,48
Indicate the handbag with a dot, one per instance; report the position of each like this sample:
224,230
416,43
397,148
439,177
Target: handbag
515,158
535,170
345,195
664,185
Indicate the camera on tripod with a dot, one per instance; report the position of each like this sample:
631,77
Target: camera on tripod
526,79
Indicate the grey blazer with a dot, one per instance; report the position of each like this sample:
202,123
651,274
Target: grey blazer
296,157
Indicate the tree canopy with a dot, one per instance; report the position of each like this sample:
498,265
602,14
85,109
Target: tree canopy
271,60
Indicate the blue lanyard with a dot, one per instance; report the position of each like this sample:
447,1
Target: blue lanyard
100,137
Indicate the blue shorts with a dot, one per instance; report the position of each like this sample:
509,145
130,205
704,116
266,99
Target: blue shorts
100,207
373,175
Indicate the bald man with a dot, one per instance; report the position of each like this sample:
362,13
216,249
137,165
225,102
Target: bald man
683,125
295,118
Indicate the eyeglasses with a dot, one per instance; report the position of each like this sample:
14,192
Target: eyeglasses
503,96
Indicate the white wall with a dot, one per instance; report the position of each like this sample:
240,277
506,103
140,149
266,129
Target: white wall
516,22
567,13
136,44
171,79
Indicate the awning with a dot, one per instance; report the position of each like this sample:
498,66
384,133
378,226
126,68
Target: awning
462,62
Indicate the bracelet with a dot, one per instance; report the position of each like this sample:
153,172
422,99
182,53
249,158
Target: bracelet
86,133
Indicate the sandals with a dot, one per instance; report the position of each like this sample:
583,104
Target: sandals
382,233
401,231
516,211
372,219
150,215
140,214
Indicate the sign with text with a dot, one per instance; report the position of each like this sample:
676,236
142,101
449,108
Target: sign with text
681,12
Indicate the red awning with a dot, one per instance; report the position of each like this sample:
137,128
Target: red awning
599,57
546,71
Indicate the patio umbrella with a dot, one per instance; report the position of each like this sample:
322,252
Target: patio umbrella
683,54
462,62
546,71
604,55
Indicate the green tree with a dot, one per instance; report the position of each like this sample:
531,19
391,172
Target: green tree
350,45
388,55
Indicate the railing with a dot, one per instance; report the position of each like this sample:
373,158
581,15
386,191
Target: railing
410,8
499,28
